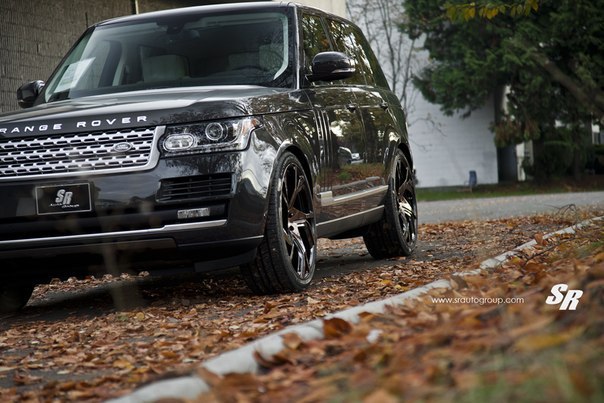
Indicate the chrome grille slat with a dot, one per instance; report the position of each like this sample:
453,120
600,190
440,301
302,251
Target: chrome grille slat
77,153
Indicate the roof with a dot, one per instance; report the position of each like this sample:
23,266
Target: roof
182,12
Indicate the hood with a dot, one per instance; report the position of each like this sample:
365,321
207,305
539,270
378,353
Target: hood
149,108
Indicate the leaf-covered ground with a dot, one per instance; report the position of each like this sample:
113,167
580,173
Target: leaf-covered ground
472,350
72,344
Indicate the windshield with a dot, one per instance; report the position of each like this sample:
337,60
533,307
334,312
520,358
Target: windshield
190,50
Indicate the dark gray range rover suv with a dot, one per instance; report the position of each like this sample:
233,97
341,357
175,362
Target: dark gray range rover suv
212,137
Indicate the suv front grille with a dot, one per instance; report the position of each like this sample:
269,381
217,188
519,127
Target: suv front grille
80,153
194,187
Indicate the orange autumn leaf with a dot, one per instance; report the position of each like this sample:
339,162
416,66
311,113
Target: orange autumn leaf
381,396
336,327
292,340
538,342
122,364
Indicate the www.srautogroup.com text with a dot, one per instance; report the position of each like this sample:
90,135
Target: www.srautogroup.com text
477,300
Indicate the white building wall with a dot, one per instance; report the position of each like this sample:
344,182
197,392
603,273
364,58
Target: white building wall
337,7
446,149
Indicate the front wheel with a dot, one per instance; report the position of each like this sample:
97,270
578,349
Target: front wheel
287,256
396,233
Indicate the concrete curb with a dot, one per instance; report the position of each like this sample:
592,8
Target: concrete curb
242,359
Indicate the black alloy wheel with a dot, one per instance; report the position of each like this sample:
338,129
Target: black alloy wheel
396,233
287,256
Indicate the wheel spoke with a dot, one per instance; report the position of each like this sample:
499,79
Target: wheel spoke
287,236
302,259
299,186
405,208
285,188
298,221
296,215
405,197
285,201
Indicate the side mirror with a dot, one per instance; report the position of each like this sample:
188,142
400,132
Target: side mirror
330,66
27,93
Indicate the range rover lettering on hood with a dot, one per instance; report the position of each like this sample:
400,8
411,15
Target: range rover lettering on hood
82,124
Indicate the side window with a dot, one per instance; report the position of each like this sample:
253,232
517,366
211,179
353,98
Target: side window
345,41
315,39
371,63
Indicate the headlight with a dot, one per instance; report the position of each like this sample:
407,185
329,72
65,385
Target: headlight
225,135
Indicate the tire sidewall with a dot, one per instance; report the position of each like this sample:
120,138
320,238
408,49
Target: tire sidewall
392,206
274,217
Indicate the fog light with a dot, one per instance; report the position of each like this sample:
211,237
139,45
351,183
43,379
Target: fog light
193,213
179,142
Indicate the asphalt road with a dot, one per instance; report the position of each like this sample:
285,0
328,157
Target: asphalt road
501,207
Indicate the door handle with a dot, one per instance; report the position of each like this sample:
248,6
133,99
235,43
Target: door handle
351,107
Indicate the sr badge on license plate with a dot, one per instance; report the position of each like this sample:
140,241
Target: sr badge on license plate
63,198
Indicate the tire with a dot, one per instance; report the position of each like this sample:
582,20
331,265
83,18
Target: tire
396,232
286,258
14,297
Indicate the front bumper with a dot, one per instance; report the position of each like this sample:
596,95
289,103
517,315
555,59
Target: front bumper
140,214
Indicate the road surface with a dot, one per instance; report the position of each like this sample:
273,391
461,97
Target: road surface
500,207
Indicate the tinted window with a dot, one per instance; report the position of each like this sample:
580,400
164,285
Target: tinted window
349,40
314,37
344,41
371,63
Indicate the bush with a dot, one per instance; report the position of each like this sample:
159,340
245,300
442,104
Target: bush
553,159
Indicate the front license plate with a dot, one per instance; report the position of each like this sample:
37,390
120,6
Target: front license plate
63,198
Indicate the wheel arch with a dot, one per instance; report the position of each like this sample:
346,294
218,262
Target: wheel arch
295,133
407,152
301,157
299,154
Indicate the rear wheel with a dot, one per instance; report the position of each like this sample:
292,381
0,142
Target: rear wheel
286,258
396,233
13,297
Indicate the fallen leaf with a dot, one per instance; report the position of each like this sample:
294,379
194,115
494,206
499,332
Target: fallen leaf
534,267
210,377
538,342
530,327
122,364
539,239
380,396
335,327
169,354
24,378
312,301
292,340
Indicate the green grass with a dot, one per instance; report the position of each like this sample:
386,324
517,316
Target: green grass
546,376
558,185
